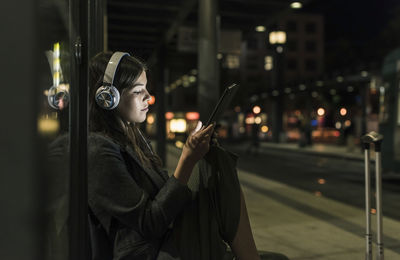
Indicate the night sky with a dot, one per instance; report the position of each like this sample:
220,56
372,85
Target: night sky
358,33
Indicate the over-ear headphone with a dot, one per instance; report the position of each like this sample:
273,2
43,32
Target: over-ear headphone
58,94
107,96
58,97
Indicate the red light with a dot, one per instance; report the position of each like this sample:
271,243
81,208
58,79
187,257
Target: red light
169,115
292,120
192,115
336,133
152,100
249,115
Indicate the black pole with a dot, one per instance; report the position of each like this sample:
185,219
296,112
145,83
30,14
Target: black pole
208,86
278,100
78,238
97,9
364,103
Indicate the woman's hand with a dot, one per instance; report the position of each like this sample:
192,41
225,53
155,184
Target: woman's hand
198,143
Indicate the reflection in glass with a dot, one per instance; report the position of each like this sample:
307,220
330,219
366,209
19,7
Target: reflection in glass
52,124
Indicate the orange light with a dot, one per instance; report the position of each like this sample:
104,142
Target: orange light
264,129
347,123
249,120
256,109
169,115
321,111
343,111
321,181
192,115
150,119
318,193
373,211
152,100
179,144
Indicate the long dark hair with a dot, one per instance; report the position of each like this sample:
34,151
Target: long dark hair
108,122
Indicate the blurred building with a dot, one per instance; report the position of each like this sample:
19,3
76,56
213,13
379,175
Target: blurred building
304,52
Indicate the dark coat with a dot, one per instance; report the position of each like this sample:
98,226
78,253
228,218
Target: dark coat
136,205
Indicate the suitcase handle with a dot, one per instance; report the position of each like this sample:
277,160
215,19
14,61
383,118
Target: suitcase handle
376,139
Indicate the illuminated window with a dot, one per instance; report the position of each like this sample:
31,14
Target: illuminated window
232,61
268,63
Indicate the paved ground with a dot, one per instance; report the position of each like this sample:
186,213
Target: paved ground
310,207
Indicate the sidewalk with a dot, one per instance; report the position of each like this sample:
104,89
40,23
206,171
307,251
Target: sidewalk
301,224
326,150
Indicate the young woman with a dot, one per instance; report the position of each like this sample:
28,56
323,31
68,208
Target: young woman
146,213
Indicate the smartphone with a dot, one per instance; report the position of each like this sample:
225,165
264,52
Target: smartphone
223,103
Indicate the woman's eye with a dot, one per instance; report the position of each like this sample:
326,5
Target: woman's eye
137,92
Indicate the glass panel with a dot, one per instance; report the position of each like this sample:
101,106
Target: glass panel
397,127
53,123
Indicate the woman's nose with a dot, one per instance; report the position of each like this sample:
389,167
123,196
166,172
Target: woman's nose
147,96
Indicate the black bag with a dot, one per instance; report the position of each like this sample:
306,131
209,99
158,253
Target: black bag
101,247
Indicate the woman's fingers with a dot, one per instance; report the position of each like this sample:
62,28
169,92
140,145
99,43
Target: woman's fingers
193,141
198,126
206,130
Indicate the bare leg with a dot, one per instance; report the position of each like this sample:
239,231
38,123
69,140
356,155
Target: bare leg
243,245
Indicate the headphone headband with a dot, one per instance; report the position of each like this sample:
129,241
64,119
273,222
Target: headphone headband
112,67
107,96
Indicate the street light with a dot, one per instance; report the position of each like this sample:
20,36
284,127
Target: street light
260,28
277,37
296,5
321,111
343,111
256,109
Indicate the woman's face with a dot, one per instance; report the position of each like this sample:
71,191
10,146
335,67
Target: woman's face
133,105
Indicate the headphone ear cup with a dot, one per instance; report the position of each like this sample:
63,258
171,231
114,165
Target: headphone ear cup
58,97
107,97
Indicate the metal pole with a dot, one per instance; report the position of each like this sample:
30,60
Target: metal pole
97,10
78,202
278,100
208,84
376,139
378,177
368,236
